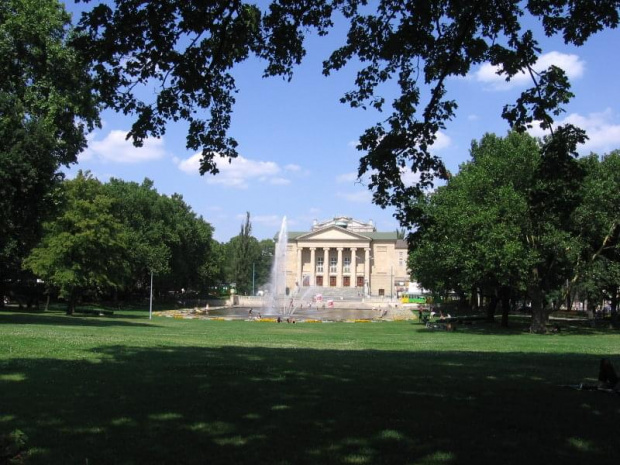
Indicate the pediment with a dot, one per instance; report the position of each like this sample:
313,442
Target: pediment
332,233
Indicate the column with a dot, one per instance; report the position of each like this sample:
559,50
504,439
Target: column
367,270
299,268
339,268
353,267
312,267
325,266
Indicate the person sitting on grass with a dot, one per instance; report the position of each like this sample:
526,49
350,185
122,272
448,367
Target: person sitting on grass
607,377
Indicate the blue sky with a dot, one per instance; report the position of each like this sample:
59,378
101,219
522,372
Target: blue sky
297,141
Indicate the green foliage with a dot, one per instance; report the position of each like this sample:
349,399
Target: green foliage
44,80
473,233
167,237
184,53
46,107
86,247
504,221
112,236
597,272
247,259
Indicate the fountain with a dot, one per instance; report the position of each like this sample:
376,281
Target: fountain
277,300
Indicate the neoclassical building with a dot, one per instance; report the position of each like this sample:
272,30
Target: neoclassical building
347,253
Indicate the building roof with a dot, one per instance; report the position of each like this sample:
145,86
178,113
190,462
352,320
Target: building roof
375,235
345,222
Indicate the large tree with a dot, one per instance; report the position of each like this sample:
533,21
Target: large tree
85,249
243,254
167,238
46,107
597,220
112,236
502,223
138,206
184,53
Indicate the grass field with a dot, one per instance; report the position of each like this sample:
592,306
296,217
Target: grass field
126,390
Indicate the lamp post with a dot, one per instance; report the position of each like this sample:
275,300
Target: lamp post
151,299
253,272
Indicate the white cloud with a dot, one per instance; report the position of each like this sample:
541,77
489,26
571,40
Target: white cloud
277,181
408,177
114,148
347,178
190,165
572,65
602,129
297,170
362,196
274,221
442,141
238,172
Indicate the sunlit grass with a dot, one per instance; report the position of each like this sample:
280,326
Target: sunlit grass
124,389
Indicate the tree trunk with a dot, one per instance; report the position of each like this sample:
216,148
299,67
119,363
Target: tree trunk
504,295
614,308
570,296
473,300
463,301
539,314
491,308
71,303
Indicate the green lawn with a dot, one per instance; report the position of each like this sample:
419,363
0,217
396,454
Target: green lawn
126,390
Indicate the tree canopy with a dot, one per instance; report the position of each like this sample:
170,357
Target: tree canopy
247,261
516,220
85,248
46,108
110,237
185,51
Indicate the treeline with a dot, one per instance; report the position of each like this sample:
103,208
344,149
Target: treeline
83,238
523,220
106,239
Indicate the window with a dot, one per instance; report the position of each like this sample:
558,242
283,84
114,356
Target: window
333,264
401,256
319,265
347,264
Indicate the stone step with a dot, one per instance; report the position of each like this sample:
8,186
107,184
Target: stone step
335,293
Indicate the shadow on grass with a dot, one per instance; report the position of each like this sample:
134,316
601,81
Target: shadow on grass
224,405
520,325
58,318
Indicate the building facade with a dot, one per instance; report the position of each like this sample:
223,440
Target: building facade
347,253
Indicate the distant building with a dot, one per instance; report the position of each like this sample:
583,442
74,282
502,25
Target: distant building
347,253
